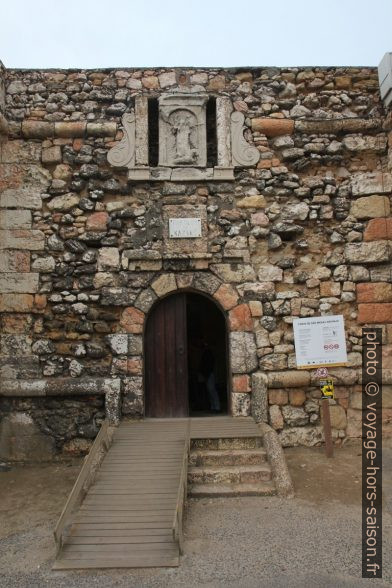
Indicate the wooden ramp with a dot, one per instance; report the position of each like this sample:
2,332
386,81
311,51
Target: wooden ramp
131,516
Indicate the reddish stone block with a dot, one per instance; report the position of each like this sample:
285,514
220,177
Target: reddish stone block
11,176
77,144
22,261
259,219
279,397
374,292
97,221
16,302
227,296
378,229
40,301
15,323
134,366
375,313
297,397
329,289
240,318
241,383
132,320
273,127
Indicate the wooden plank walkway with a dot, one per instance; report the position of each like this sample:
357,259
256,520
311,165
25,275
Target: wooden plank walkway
126,519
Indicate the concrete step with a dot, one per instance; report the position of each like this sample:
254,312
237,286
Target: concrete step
227,490
229,474
227,443
222,457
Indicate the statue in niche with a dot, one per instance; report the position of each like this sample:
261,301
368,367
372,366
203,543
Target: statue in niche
183,125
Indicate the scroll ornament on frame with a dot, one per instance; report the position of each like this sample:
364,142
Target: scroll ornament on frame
243,154
123,154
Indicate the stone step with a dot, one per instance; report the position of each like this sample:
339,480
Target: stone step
222,457
222,490
227,443
229,475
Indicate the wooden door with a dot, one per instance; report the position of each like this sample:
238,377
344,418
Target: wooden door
166,369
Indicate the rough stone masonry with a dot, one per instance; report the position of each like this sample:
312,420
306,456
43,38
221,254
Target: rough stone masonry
295,212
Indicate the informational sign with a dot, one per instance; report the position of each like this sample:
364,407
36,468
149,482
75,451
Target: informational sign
184,228
320,341
327,389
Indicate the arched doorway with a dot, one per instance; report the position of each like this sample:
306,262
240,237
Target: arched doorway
185,350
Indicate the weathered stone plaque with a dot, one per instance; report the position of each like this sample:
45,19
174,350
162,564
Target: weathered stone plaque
184,228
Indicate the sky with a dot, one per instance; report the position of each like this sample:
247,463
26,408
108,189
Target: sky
151,33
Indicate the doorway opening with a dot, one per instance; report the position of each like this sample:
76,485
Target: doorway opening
186,359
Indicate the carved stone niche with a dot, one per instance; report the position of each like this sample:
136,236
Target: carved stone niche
182,130
183,140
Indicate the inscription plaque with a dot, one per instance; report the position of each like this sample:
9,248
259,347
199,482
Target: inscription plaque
184,228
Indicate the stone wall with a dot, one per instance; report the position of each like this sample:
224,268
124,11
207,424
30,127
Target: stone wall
85,252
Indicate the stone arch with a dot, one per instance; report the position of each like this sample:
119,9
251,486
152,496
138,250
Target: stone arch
242,353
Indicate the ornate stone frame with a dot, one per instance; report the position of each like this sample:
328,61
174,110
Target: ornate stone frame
232,148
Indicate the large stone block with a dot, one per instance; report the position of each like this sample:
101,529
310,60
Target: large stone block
164,284
102,129
360,143
226,272
243,352
15,261
12,368
108,258
375,313
133,396
20,152
371,183
44,264
273,361
52,155
70,129
273,127
34,129
15,219
371,252
240,318
295,416
378,229
308,436
240,404
132,320
259,403
270,273
253,201
21,198
16,302
374,292
32,240
15,345
18,283
370,207
64,202
289,379
226,296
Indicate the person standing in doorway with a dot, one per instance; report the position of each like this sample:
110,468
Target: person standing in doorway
206,370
